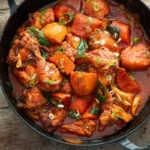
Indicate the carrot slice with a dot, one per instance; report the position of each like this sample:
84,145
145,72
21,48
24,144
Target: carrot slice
65,98
63,62
92,112
125,82
84,25
80,104
59,10
124,31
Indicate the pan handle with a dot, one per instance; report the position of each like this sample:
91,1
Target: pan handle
131,146
12,5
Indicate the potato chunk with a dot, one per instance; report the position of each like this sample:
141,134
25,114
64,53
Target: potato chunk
83,83
55,32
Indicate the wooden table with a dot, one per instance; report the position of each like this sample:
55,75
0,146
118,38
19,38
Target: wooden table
14,135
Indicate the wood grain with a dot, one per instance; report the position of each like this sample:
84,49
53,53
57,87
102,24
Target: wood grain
14,135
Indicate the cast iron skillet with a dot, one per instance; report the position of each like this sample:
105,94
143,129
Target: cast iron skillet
20,15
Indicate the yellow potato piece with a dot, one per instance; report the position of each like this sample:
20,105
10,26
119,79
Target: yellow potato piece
83,83
55,32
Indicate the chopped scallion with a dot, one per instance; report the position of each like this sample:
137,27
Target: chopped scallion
66,18
74,114
38,35
95,111
135,40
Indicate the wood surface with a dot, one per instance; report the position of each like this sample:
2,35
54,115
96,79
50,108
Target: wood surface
14,135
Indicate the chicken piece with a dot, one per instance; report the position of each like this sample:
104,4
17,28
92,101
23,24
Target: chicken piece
104,79
17,56
73,40
69,50
96,8
49,76
136,58
113,115
100,39
123,99
104,119
108,103
29,43
105,61
66,87
119,113
82,127
33,98
33,113
52,50
42,18
52,118
27,75
34,19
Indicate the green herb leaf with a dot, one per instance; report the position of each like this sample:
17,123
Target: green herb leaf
74,114
82,47
60,49
9,85
117,115
11,44
66,18
135,40
47,95
42,16
103,87
38,35
95,111
49,81
86,46
101,98
32,84
114,31
34,76
55,101
44,55
21,100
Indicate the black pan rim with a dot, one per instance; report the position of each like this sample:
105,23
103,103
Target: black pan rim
54,139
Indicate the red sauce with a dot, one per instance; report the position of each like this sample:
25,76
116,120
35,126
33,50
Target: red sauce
142,77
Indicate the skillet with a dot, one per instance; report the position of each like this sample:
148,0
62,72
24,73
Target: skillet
20,15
